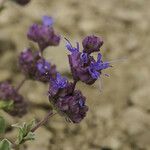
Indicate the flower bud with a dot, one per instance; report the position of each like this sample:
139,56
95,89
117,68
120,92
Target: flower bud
92,44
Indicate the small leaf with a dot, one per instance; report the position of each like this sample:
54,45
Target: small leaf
5,145
30,125
20,136
2,125
17,125
24,131
29,137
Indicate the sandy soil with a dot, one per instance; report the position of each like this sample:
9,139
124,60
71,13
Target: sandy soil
119,116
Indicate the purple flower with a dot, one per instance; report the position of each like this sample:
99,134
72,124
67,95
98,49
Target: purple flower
95,68
43,67
9,93
66,101
44,70
79,63
27,61
72,106
59,86
71,48
79,67
44,34
35,67
84,67
60,82
48,21
92,44
84,57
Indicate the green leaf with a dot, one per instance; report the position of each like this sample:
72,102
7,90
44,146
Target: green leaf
30,136
2,125
5,145
25,133
6,105
30,125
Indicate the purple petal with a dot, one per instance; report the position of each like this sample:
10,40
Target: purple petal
95,74
71,48
99,57
47,21
84,57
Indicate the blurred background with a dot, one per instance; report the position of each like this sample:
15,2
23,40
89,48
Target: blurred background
119,116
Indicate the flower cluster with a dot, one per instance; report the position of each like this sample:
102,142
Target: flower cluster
66,100
63,95
44,34
83,66
9,93
32,64
36,67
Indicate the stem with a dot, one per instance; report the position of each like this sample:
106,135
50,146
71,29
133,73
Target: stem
74,85
39,124
21,84
42,122
41,50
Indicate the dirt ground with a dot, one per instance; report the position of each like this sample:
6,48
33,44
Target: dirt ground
119,116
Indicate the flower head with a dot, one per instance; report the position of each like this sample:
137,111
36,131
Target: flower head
92,44
83,66
79,63
72,106
27,61
44,34
67,101
9,93
44,70
35,67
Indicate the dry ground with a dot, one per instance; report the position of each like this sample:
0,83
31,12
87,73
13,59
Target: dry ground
119,116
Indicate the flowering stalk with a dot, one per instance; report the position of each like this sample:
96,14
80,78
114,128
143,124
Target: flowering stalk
21,84
63,95
43,121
